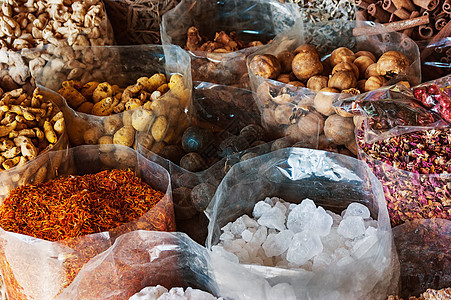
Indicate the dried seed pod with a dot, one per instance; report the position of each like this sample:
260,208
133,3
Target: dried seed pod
341,54
265,65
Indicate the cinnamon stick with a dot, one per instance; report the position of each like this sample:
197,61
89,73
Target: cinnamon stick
362,4
407,4
378,13
388,6
425,32
409,31
444,33
440,23
407,43
402,13
393,18
447,7
390,27
429,5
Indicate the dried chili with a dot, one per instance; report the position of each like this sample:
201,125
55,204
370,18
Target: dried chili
70,209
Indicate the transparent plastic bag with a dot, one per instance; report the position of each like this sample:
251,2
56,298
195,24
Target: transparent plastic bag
436,96
124,66
332,181
435,57
284,105
390,111
31,172
423,251
38,269
251,20
139,259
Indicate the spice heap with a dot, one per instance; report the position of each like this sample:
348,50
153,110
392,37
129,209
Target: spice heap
412,186
160,292
29,125
73,206
222,43
430,294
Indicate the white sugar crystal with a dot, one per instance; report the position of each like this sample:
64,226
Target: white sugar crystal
227,227
247,235
260,208
341,252
174,294
370,231
303,247
363,247
243,255
150,292
249,222
345,261
333,240
357,209
335,217
226,236
351,227
281,291
370,223
281,206
321,222
307,205
273,218
259,236
270,201
305,217
238,226
220,251
198,294
276,244
320,261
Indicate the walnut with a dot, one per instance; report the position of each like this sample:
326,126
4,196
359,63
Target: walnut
343,66
324,99
361,85
362,63
312,124
317,82
306,48
392,63
371,70
342,80
306,64
367,54
285,58
341,54
339,130
374,82
266,66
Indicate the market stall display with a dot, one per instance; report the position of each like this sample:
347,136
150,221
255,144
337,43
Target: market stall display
70,219
247,21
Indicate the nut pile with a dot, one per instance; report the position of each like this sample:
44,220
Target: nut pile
222,43
58,24
308,115
29,126
153,106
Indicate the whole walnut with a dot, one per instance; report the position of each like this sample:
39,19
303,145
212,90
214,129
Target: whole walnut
317,82
367,54
343,66
371,70
374,82
306,64
339,130
342,80
265,65
285,58
392,63
362,63
324,99
361,85
341,54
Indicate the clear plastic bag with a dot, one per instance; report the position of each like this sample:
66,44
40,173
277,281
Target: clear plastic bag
423,251
251,20
125,64
390,111
37,269
139,259
435,57
436,96
284,105
332,181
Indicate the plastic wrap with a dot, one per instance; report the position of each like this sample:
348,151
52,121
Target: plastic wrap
423,251
32,172
390,111
139,259
435,57
436,95
332,181
124,66
37,269
284,105
251,20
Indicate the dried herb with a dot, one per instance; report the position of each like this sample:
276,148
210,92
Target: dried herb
415,171
70,209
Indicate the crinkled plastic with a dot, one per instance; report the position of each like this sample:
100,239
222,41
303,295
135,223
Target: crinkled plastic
284,105
124,65
139,259
435,57
32,172
436,95
390,111
251,19
37,269
423,251
332,181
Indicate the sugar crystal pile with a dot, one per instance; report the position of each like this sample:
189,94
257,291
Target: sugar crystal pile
161,293
292,236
